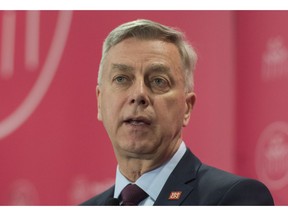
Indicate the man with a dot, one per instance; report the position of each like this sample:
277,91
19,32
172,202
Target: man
145,97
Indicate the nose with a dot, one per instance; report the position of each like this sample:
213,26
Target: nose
139,94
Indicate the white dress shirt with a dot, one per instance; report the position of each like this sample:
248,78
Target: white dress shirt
153,181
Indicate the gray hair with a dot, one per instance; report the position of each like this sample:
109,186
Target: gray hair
146,29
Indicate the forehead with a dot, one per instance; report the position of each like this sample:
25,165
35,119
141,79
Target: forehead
133,51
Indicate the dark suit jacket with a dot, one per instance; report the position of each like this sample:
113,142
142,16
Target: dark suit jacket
203,185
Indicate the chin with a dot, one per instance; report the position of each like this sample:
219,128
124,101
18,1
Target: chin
138,147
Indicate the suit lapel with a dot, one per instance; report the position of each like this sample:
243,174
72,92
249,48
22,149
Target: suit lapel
108,195
181,181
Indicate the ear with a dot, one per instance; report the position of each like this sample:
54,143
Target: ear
98,96
190,101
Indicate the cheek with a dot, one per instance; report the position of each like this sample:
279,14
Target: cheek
109,108
171,110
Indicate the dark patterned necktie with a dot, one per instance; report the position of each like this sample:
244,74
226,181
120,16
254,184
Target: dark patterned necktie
132,195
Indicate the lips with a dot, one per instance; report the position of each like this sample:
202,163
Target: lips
137,121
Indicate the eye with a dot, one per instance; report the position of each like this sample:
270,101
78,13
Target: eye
120,79
160,83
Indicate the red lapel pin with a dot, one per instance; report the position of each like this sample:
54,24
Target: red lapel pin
175,195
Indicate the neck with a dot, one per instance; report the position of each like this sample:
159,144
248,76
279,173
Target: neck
134,167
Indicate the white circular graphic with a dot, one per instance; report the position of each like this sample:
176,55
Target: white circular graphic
23,193
272,155
83,189
29,104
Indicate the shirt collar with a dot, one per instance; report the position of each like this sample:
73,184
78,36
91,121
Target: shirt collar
153,181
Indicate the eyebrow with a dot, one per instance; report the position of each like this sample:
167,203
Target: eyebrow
159,68
122,67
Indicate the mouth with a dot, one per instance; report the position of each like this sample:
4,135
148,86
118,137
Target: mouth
137,121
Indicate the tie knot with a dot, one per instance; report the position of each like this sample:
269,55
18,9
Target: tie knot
132,195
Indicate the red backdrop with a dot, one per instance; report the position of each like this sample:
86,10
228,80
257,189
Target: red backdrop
53,151
262,99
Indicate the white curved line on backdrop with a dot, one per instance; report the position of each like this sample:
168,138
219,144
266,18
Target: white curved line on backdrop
30,103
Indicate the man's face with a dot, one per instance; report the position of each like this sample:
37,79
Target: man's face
142,99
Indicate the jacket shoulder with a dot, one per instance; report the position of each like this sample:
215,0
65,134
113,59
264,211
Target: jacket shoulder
224,188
